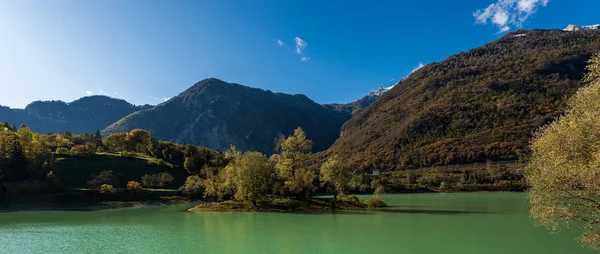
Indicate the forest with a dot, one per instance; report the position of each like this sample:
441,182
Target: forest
135,166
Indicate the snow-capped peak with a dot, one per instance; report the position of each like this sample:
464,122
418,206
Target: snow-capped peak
572,28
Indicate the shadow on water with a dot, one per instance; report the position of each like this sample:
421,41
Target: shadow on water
393,210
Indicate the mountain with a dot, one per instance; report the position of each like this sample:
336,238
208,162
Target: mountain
87,114
481,104
215,114
359,105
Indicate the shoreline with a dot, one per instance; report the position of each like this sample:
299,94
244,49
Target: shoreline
103,205
106,205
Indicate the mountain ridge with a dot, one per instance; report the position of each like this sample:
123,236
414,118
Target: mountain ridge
84,115
215,114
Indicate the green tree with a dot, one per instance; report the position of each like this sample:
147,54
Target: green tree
337,175
563,171
293,165
98,138
253,177
193,186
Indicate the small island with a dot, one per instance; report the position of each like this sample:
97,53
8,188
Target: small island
280,205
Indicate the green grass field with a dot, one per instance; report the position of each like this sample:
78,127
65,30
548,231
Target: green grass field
74,172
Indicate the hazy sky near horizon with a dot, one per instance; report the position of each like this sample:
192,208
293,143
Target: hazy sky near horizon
332,51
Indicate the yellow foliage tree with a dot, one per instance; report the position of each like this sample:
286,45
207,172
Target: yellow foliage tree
564,169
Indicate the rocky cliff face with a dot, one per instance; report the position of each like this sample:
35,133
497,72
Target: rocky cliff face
215,114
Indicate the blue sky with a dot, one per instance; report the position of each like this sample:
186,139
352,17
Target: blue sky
332,51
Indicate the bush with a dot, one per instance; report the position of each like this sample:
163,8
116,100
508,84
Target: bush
100,149
352,198
62,151
134,187
193,186
83,151
107,189
105,177
157,180
375,202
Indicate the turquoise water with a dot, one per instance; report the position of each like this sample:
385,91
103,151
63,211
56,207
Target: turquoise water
416,223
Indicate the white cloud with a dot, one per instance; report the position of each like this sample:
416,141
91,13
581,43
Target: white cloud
419,66
392,79
304,59
89,93
300,45
506,13
101,91
279,42
167,98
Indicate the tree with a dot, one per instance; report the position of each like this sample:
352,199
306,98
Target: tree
293,165
139,140
105,177
116,142
337,175
13,163
98,138
221,184
193,186
254,175
563,171
157,180
134,187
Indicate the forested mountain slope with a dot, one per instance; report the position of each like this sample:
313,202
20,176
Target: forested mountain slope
481,104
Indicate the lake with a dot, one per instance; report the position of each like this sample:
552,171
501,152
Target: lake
416,223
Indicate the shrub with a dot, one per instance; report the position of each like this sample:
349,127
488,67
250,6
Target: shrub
157,180
105,177
83,151
62,151
107,189
375,202
100,149
193,186
352,198
134,187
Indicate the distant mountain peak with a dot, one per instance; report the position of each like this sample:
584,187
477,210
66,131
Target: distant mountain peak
572,28
375,93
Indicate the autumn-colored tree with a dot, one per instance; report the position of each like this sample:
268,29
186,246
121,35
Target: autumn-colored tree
336,175
134,187
139,140
293,165
253,177
116,142
564,167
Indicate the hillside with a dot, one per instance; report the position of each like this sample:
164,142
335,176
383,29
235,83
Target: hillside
84,115
215,114
481,104
75,172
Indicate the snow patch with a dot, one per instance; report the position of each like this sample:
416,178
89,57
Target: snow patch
572,28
